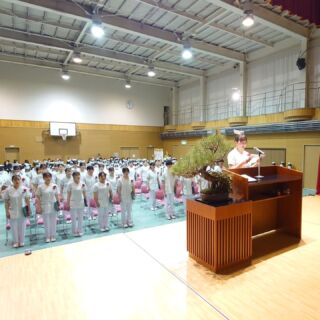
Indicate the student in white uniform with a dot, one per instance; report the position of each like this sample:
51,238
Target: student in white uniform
83,171
76,201
239,157
5,181
89,180
16,198
47,193
187,191
169,186
203,183
126,192
64,183
159,168
117,171
132,171
102,193
153,185
112,179
60,175
39,178
144,171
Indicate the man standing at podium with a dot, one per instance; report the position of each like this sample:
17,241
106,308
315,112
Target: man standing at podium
238,157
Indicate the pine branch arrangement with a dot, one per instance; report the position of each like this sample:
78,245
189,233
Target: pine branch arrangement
205,153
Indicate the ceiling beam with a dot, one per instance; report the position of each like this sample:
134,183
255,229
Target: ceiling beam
97,52
282,45
267,18
206,23
26,18
39,40
82,32
78,40
69,8
136,60
85,70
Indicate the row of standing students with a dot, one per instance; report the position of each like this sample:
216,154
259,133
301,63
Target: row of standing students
78,191
17,204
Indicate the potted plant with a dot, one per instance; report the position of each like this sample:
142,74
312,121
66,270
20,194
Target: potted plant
205,153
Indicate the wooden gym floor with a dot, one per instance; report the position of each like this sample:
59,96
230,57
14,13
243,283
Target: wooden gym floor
147,274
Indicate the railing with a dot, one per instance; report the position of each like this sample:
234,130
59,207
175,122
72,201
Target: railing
290,97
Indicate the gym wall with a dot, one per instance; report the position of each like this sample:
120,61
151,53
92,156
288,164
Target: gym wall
39,94
293,143
33,141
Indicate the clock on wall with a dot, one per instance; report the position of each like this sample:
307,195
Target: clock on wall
130,104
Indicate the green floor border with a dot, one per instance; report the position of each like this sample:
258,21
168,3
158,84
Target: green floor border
143,218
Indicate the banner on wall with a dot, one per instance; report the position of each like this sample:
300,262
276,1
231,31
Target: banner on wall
158,154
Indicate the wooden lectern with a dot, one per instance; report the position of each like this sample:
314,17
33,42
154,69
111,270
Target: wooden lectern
219,235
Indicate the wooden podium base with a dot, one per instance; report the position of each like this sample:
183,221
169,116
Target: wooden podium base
219,237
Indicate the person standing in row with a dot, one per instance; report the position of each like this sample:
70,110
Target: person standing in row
47,194
89,180
126,192
65,182
169,188
102,193
76,201
17,206
153,185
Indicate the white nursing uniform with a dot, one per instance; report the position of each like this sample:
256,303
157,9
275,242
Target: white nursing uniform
76,205
126,188
16,198
235,157
152,179
103,191
47,195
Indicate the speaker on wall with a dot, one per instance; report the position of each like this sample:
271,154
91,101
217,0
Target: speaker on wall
166,115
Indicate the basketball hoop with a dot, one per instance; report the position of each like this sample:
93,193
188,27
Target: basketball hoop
63,134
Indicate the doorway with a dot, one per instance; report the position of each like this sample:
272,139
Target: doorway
130,152
310,170
12,153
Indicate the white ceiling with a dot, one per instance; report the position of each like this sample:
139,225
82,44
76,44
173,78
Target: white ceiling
45,33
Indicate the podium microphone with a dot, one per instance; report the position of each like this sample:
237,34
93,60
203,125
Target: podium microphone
260,153
258,150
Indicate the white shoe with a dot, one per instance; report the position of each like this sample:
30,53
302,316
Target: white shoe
102,230
89,218
21,244
47,240
173,216
15,245
53,239
94,218
125,226
107,229
80,234
152,209
131,225
168,217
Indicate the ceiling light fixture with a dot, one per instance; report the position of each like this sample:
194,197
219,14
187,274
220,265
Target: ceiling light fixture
236,94
77,57
151,72
128,84
248,20
65,75
186,51
96,27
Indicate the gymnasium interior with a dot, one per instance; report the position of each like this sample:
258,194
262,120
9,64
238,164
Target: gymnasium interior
120,82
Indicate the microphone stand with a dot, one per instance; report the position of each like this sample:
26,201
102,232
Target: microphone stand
259,176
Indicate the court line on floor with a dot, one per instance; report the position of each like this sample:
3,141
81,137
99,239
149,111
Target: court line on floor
178,278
